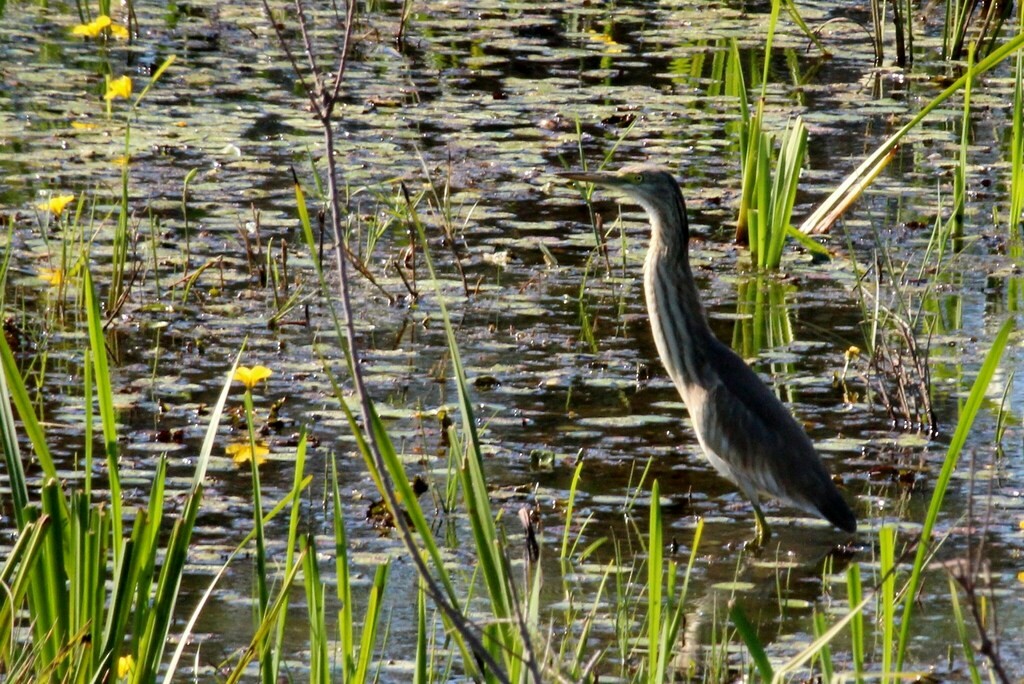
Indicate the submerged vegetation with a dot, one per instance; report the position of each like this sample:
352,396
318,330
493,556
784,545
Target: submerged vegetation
269,375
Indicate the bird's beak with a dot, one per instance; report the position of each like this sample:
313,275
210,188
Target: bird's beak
595,178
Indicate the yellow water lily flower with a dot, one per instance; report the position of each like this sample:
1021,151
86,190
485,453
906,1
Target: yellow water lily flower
53,276
119,87
243,453
250,376
56,205
97,26
125,666
94,28
611,47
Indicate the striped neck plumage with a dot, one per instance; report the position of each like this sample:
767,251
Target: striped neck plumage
677,318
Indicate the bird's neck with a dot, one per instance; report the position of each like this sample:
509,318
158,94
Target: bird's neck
668,276
680,328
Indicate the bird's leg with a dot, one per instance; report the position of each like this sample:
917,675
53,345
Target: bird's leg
762,532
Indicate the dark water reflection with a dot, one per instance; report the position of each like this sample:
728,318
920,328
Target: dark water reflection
488,99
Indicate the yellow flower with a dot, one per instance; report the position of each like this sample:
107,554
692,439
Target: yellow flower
97,26
122,160
125,666
611,46
53,276
119,87
57,204
93,28
250,376
243,453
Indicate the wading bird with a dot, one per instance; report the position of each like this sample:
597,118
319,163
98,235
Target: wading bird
744,430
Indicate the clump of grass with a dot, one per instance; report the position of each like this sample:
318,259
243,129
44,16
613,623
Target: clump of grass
988,19
767,197
98,600
898,360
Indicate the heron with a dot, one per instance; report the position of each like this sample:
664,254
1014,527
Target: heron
745,432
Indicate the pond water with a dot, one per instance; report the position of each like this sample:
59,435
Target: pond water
485,102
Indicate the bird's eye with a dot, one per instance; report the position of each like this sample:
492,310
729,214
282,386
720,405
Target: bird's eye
637,178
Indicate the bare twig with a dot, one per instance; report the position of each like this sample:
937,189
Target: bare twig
972,573
323,101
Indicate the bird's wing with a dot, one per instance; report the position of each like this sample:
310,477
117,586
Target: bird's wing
746,425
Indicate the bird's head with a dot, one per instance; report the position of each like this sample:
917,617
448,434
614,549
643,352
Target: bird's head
652,187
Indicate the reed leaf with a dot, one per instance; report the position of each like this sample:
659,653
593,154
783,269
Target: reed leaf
655,581
1017,152
801,658
749,636
293,543
963,428
319,658
13,393
105,399
843,196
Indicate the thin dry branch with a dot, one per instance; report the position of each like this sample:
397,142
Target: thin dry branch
323,102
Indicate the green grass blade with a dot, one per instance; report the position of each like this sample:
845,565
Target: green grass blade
1017,150
105,399
10,379
749,636
811,245
13,390
371,622
422,662
573,489
164,66
961,630
16,573
292,544
762,194
655,581
154,640
855,594
773,21
787,180
887,595
815,646
319,660
963,428
825,654
342,578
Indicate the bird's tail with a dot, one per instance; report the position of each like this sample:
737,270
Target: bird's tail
834,508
